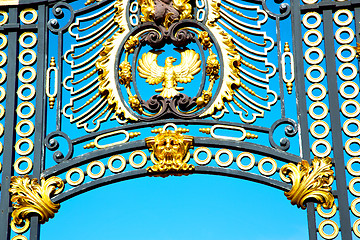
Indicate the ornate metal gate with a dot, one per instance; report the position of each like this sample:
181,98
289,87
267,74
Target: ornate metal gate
141,88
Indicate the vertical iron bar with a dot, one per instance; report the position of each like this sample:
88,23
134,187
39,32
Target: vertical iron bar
301,103
281,84
40,108
10,123
336,129
59,94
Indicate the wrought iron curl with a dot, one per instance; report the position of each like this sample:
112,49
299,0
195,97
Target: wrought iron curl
290,131
284,10
52,144
58,12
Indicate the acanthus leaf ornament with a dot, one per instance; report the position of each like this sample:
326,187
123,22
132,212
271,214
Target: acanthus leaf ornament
309,182
31,197
170,152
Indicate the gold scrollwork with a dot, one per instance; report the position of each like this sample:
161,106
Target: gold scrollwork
310,182
171,150
31,197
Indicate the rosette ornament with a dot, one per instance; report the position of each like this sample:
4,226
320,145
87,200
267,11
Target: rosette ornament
30,197
309,182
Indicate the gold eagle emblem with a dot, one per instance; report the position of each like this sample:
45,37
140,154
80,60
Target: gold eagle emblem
169,75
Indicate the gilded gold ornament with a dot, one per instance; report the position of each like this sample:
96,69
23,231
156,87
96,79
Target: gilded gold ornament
169,75
31,197
309,182
125,76
171,150
166,13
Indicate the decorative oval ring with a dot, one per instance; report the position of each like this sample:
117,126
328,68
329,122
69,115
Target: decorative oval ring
202,5
95,175
347,77
23,105
309,1
349,166
324,214
5,19
348,114
319,123
313,25
19,237
77,182
21,90
28,150
22,229
111,161
27,34
3,76
347,21
314,61
263,171
353,207
134,7
2,94
316,86
4,41
315,32
1,148
356,228
240,129
228,162
22,123
321,142
347,40
132,18
200,15
2,111
24,12
3,58
321,105
21,160
1,131
27,80
242,166
347,147
137,165
343,48
349,84
208,155
315,68
23,53
346,127
331,223
351,186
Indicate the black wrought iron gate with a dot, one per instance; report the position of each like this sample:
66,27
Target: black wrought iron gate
78,92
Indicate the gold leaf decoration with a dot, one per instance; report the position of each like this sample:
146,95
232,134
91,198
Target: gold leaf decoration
171,150
29,197
309,182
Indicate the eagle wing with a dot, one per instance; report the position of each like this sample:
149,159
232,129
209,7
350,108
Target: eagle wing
149,69
189,66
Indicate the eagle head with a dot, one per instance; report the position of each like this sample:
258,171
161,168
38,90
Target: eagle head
169,61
